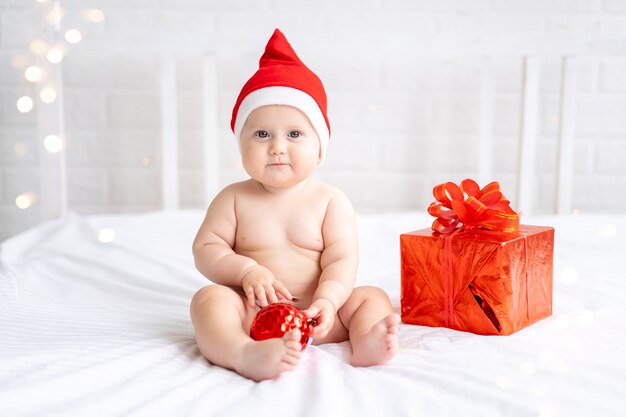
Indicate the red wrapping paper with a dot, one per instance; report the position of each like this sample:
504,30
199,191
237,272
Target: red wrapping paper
477,269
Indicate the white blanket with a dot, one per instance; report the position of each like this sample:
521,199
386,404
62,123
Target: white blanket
102,329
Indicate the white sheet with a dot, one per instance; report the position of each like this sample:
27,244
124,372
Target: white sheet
88,328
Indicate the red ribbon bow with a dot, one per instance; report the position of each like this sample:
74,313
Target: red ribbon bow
470,207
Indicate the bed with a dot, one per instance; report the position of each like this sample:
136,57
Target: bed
94,321
94,309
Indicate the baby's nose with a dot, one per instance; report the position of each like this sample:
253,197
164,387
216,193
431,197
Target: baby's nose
277,146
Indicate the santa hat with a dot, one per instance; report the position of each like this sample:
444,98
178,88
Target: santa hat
283,79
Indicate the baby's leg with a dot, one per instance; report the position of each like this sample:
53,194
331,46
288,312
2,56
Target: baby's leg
372,324
221,320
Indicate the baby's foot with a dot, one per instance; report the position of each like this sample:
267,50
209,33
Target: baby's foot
378,345
267,359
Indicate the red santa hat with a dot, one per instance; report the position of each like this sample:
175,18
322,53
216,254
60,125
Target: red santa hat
283,79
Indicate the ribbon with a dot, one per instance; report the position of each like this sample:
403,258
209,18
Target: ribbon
467,207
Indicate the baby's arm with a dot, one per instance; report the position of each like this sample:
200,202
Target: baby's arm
339,263
215,258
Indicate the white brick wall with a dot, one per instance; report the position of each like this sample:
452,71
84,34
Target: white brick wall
404,115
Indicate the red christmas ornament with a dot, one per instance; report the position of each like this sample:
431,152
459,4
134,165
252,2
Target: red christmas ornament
277,319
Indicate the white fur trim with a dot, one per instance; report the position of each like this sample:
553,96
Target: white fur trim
289,97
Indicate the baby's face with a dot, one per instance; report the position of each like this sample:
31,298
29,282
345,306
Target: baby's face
279,147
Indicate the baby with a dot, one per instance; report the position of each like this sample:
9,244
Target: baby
283,235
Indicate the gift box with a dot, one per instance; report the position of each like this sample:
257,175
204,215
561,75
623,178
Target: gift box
476,269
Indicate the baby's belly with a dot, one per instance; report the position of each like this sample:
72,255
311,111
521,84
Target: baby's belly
299,269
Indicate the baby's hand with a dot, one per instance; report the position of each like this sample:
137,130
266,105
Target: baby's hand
259,284
323,312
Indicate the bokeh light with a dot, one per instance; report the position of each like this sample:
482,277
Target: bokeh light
53,143
48,95
33,73
54,55
20,150
54,16
24,104
73,36
93,15
38,47
19,61
25,200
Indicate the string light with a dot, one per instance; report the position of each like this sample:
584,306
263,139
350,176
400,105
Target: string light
24,201
24,104
54,16
20,150
19,61
48,95
54,55
38,47
73,36
53,143
93,15
33,73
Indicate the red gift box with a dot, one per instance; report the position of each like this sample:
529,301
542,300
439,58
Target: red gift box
477,270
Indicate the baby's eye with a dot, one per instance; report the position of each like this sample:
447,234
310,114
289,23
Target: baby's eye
262,134
294,134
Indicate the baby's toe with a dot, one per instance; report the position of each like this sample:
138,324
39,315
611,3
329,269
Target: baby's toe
392,320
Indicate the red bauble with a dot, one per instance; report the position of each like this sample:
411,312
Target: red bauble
277,319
